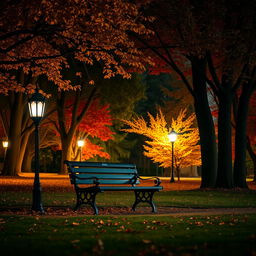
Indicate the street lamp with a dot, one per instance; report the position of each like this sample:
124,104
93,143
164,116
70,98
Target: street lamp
36,106
80,144
5,146
172,137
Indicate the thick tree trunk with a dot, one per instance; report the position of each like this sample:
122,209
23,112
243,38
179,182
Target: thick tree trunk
24,142
27,161
28,155
253,157
225,171
240,138
205,124
14,136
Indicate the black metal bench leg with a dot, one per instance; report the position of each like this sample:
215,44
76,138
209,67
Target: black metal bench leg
86,197
142,196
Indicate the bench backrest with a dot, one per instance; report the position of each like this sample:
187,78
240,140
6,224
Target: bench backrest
102,173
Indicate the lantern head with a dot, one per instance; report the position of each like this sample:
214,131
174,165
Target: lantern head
80,143
172,136
36,106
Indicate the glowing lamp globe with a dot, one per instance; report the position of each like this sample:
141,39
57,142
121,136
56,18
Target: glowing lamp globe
5,143
36,106
172,136
80,143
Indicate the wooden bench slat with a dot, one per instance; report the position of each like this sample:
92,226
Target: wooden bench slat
105,176
107,182
120,188
93,164
103,170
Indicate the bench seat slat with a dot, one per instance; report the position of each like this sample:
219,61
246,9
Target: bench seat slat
105,176
103,170
121,188
94,164
107,182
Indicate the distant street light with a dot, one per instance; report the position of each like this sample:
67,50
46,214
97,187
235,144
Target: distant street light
5,146
80,144
36,105
172,137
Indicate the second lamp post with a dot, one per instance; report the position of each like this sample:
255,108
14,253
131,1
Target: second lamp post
172,137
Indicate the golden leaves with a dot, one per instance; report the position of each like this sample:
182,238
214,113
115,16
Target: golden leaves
159,148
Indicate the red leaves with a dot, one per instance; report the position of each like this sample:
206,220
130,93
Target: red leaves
97,121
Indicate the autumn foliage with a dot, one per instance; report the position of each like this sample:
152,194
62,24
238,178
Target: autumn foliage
95,124
38,37
159,148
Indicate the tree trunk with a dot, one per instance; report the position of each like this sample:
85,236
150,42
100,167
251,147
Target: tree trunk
24,142
66,153
205,124
240,138
27,161
178,173
14,135
253,157
225,172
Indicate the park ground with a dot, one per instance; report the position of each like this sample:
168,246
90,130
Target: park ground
189,221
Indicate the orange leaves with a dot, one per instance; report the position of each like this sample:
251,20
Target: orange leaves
36,36
91,150
159,148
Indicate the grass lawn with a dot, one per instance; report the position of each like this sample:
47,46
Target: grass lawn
193,198
129,235
67,233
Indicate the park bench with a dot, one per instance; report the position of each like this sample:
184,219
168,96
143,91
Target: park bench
90,178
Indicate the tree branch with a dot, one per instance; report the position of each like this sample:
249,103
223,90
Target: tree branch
170,62
212,70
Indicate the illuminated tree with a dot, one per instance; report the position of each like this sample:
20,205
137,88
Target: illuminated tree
159,148
80,116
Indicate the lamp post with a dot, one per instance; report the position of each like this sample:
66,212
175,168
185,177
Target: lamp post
36,105
80,144
172,137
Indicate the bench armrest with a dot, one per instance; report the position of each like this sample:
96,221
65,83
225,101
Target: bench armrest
157,181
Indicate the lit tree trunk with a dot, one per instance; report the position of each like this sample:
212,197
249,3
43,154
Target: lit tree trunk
67,133
17,127
14,135
23,146
240,136
66,152
178,172
28,155
225,171
27,161
205,124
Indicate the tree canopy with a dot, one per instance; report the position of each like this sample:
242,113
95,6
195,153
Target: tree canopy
39,36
